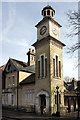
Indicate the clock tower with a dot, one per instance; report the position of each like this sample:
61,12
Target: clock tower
48,26
48,64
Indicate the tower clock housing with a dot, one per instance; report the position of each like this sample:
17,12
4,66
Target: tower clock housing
48,26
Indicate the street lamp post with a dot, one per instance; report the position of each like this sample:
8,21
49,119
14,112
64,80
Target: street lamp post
78,105
57,113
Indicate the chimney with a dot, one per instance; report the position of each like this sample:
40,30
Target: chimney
74,83
30,50
31,57
33,51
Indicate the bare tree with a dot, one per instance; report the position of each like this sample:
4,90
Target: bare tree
74,26
67,79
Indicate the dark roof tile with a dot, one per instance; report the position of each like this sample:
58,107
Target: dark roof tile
29,69
18,64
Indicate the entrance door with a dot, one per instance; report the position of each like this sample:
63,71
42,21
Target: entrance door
75,105
12,100
43,103
69,106
79,103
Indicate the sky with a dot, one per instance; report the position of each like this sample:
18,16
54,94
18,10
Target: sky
19,32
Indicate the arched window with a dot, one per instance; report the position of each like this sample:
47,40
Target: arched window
56,66
44,13
55,99
48,12
13,79
59,68
39,69
46,67
59,98
42,66
52,14
12,100
9,83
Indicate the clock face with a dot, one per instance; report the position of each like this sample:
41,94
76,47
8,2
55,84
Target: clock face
54,31
43,30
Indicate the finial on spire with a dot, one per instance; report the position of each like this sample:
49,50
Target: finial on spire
47,3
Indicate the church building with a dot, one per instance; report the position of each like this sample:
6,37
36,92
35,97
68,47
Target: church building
34,85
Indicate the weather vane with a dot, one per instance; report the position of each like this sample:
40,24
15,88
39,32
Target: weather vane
48,3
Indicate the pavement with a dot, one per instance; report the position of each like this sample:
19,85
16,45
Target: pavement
19,115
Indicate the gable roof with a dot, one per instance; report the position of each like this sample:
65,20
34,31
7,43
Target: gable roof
70,86
15,65
28,80
18,64
3,67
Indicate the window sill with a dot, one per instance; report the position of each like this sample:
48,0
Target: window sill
57,77
42,77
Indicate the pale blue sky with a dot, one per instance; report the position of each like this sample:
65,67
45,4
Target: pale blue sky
19,32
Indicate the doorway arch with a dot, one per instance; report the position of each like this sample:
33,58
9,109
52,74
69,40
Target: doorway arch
42,102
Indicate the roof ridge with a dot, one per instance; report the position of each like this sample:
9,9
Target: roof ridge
18,60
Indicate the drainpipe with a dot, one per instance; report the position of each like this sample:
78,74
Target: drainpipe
17,87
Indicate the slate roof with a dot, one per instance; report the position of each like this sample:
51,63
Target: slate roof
3,67
18,64
28,80
46,39
29,69
47,18
71,86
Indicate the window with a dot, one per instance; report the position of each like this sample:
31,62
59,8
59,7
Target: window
46,67
55,99
6,97
44,13
9,81
29,99
32,58
12,99
9,66
59,68
52,14
56,66
42,65
38,68
59,99
48,12
13,79
53,67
